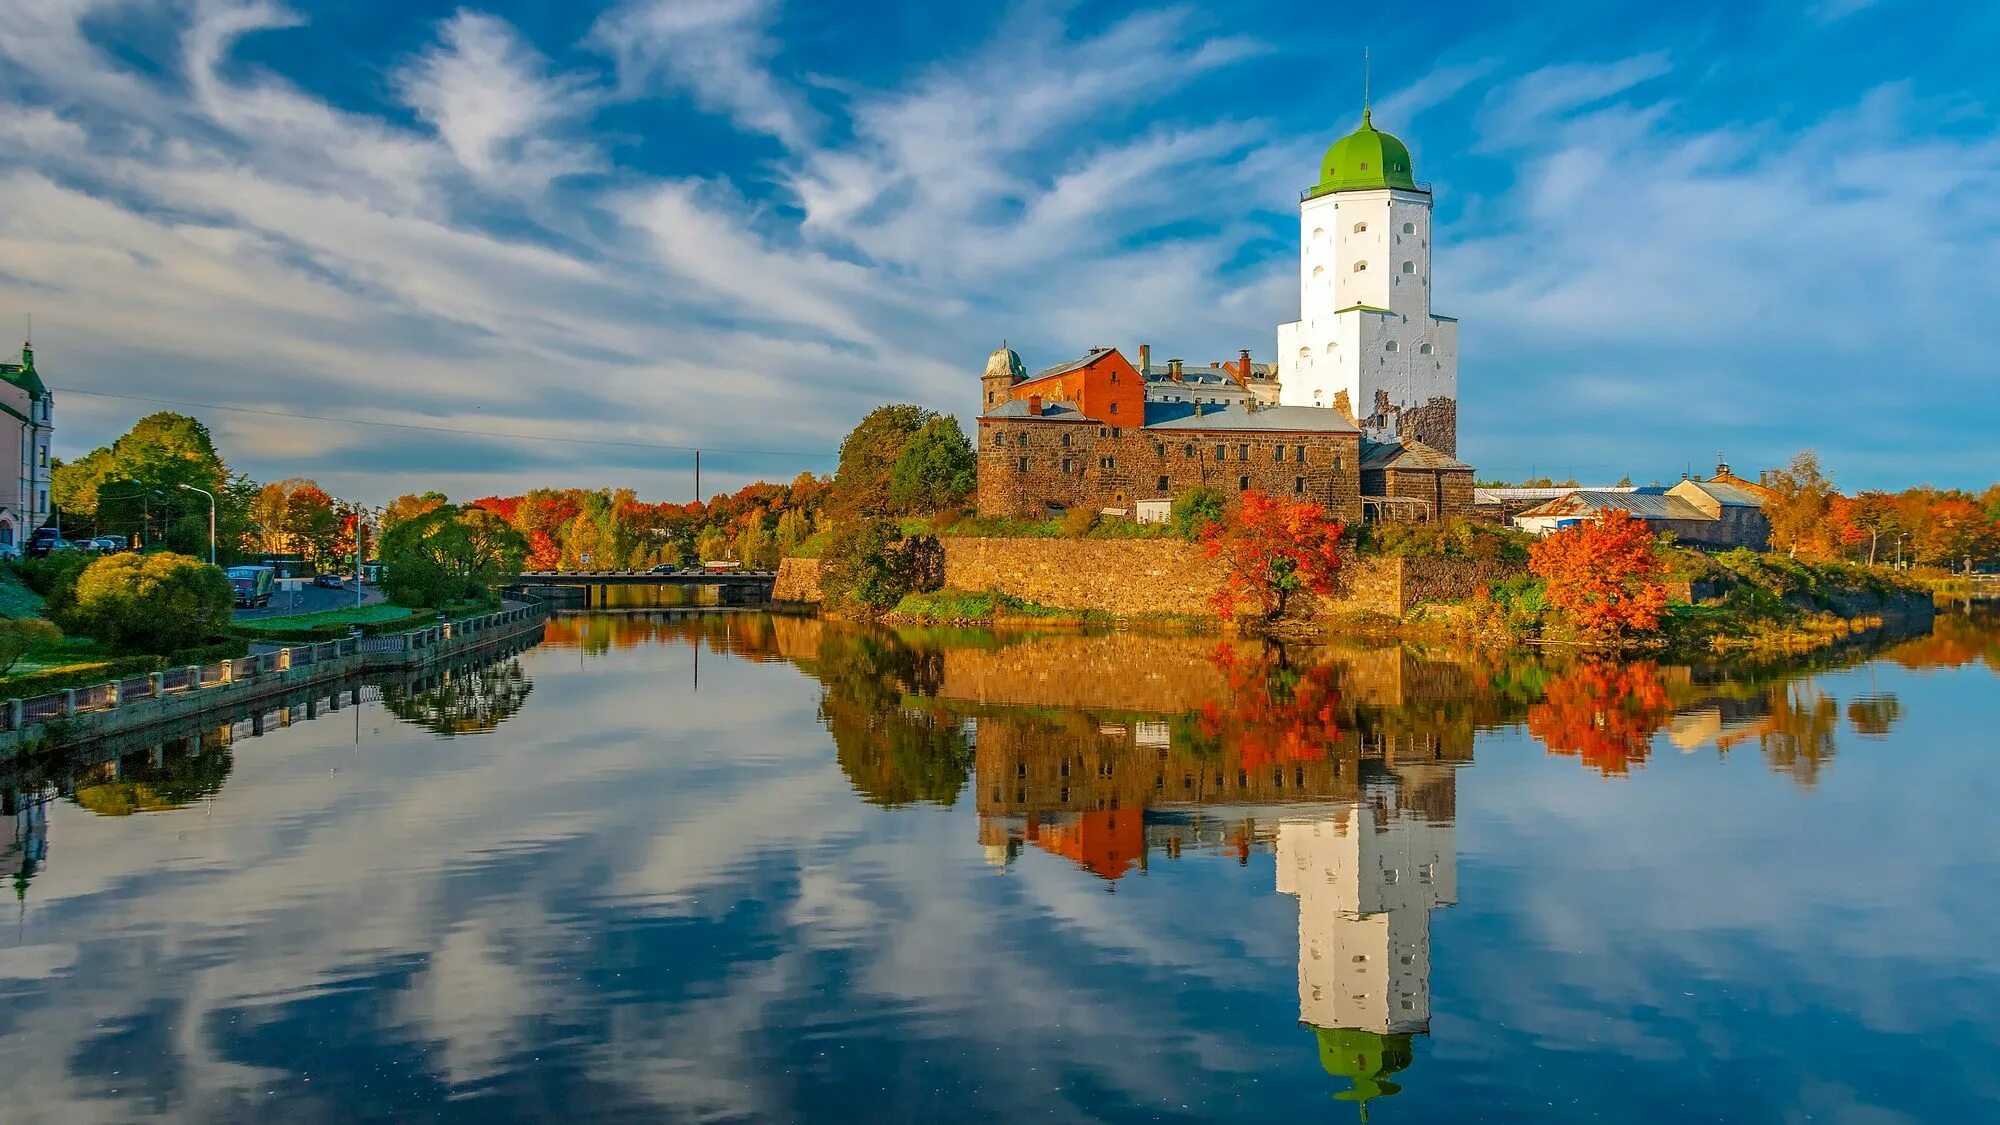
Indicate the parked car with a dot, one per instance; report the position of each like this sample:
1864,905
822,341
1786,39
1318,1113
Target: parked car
112,544
9,552
330,581
665,568
253,584
43,543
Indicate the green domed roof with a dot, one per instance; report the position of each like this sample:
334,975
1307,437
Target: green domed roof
1366,158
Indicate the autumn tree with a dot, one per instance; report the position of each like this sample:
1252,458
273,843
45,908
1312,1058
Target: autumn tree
410,505
1273,549
1799,512
1603,576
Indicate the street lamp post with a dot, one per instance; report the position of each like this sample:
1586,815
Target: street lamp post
211,519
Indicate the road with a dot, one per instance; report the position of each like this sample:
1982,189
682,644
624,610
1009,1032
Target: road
308,599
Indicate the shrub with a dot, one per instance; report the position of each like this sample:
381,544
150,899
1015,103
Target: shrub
865,564
1194,509
21,635
1078,522
158,603
54,578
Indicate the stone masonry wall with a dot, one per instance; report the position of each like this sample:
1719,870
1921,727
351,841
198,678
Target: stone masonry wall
797,582
1028,464
1130,577
1126,577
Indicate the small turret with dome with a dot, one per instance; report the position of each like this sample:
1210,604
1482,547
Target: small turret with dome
1003,369
1366,159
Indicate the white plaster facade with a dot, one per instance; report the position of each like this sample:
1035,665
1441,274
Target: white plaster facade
1365,891
1365,321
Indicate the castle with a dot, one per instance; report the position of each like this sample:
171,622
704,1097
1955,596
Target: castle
1359,413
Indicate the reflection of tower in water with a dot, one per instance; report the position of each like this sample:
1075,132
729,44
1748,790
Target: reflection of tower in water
1367,875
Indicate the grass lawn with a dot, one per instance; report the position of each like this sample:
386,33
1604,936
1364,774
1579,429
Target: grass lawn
16,600
346,615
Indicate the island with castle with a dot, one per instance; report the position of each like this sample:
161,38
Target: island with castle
1358,413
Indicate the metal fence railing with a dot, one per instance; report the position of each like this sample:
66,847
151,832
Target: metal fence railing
17,713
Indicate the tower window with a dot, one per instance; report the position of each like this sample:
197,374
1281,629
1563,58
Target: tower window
1409,228
1423,349
1304,352
1319,232
1317,270
1360,266
1409,267
1361,228
1390,346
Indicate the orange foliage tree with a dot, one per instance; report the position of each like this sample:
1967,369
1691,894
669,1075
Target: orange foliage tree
1602,712
1274,548
1603,576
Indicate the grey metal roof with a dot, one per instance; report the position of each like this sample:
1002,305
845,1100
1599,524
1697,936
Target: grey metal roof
1645,506
1278,419
1407,454
1018,408
1728,495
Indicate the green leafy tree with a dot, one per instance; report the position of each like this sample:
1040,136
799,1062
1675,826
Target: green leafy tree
20,636
865,564
449,554
936,471
136,482
160,603
868,459
1194,509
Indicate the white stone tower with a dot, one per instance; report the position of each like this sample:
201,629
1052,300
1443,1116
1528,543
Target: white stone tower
1366,341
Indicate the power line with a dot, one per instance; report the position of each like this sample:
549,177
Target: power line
451,429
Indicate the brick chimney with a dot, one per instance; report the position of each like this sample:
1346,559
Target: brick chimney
1035,405
1145,357
1174,369
1243,374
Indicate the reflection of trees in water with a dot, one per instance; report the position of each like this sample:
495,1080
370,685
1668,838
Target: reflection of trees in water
747,635
1603,712
1365,1058
465,701
1798,737
1955,639
896,744
136,783
1277,712
1873,715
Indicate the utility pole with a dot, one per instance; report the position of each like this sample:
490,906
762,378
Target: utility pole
697,476
360,550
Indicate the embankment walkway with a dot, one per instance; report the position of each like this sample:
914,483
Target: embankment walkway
120,706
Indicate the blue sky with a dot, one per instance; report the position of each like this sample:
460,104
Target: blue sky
741,223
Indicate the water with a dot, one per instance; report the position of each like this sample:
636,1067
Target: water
729,866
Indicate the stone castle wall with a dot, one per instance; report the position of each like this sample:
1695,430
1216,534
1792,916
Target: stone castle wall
797,582
1028,464
1125,577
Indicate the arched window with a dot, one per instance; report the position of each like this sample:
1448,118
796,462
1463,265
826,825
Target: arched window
1390,346
1360,266
1304,352
1317,270
1361,228
1409,228
1329,347
1409,267
1319,232
1423,349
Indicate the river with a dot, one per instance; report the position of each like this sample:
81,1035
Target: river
723,865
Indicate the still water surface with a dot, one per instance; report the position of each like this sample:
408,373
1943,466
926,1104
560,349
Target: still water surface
730,866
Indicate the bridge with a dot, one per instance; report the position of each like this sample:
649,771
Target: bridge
593,587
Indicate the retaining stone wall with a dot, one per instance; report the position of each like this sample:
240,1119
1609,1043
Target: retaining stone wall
797,582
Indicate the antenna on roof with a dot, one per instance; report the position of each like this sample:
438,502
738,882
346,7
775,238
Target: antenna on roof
1366,67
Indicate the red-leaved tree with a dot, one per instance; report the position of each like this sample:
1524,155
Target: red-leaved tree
1603,576
1273,548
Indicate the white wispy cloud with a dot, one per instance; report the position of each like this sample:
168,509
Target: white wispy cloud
717,51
